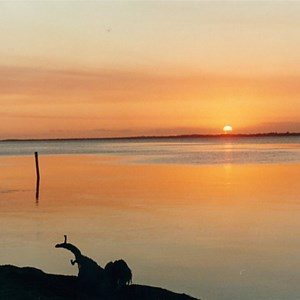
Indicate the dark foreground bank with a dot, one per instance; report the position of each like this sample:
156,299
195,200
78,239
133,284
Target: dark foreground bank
31,284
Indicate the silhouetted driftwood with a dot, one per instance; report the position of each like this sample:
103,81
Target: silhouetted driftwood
118,273
91,277
94,279
93,282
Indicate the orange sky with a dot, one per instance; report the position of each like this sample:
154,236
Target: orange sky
97,69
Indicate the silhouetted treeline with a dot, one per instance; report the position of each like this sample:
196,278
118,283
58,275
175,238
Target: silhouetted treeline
180,136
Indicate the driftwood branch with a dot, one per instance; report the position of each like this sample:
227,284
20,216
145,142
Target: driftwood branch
71,248
94,278
90,274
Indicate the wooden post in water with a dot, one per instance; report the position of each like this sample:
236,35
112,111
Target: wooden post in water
37,190
36,155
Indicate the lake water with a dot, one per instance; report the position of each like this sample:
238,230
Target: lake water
213,218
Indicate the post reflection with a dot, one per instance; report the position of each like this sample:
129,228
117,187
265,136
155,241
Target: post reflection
37,191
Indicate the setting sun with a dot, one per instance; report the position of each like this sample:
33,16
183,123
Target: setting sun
112,82
227,129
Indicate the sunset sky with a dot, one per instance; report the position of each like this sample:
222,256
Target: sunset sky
126,68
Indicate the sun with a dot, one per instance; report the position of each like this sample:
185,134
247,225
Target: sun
227,129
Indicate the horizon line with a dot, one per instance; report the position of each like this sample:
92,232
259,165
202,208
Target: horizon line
194,135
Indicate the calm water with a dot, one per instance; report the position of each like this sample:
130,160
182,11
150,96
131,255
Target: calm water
217,219
172,151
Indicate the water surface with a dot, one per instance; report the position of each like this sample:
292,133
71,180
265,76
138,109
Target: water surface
218,230
235,150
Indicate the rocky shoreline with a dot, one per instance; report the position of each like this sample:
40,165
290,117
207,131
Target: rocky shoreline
113,282
27,283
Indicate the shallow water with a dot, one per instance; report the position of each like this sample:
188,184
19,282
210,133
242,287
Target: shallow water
218,231
222,150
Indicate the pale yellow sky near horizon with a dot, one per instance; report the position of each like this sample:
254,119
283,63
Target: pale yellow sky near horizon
119,68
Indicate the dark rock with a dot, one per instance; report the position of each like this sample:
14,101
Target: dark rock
144,292
30,283
33,284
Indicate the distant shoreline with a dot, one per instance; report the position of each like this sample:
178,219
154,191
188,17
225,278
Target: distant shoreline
182,136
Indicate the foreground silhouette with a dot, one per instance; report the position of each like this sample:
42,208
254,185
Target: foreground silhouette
33,284
93,282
